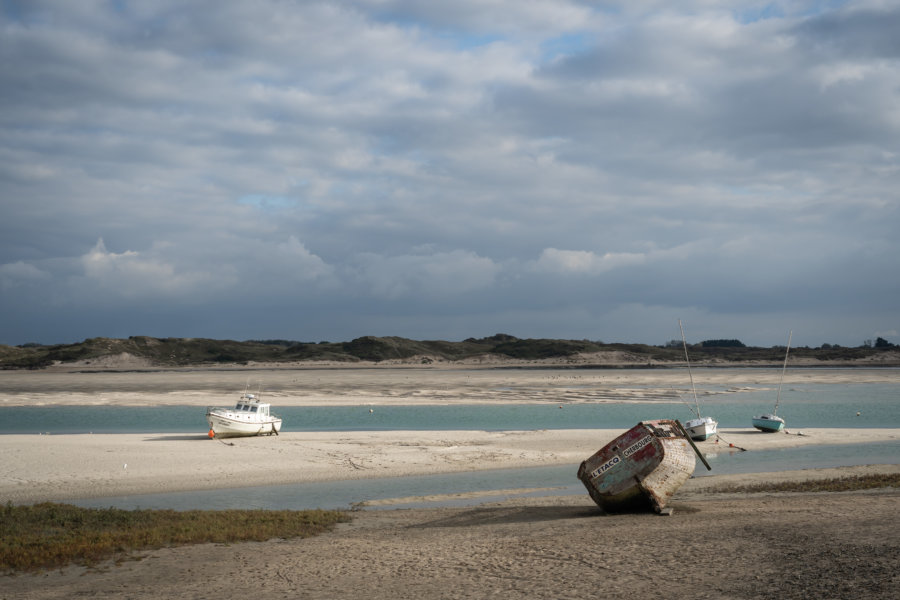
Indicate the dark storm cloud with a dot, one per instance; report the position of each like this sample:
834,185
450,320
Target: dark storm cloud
559,169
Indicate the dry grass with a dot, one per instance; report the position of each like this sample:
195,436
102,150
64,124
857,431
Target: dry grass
839,484
49,535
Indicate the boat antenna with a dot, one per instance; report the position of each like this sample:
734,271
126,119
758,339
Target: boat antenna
783,369
694,391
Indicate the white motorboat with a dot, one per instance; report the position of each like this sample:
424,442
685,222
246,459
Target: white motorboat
248,417
700,428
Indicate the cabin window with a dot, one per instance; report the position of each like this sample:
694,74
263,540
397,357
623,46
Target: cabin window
252,409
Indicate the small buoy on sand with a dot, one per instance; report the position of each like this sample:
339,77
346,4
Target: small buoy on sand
211,433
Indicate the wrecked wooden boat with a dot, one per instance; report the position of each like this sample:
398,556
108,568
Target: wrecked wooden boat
642,468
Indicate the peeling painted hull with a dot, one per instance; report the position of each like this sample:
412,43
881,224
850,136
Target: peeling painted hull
641,469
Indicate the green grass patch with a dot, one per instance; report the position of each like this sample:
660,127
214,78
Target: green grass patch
50,535
838,484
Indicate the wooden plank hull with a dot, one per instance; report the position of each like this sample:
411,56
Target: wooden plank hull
641,469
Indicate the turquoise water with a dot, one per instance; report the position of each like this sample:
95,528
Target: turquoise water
561,479
818,405
801,406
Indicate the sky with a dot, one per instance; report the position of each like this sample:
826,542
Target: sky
321,171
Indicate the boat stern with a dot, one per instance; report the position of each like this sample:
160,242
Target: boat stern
640,469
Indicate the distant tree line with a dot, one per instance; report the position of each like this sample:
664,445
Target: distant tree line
709,344
722,344
879,343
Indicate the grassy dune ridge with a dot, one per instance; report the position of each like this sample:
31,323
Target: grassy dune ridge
179,352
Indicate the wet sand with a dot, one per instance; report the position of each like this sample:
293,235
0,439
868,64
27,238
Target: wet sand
67,467
824,545
334,386
816,545
61,467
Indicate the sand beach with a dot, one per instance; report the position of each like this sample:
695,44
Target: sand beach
825,545
66,467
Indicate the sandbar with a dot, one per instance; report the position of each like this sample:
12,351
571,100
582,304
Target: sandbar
67,467
732,545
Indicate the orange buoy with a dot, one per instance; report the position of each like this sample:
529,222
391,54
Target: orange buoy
731,445
211,433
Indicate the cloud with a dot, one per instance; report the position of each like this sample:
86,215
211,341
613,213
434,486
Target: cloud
20,273
585,262
134,275
371,161
436,276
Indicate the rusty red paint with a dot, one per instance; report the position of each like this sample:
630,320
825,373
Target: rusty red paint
642,468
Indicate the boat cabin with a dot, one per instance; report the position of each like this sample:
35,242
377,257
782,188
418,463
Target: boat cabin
249,404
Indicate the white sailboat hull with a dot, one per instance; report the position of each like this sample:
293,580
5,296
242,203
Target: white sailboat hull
772,423
701,429
768,423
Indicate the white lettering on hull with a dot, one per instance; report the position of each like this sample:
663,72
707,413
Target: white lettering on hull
637,446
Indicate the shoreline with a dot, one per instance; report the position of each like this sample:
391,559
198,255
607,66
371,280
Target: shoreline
64,467
60,467
722,545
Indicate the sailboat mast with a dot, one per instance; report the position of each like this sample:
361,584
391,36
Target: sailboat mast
783,369
693,390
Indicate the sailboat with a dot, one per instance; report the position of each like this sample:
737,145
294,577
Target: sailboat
701,428
772,423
